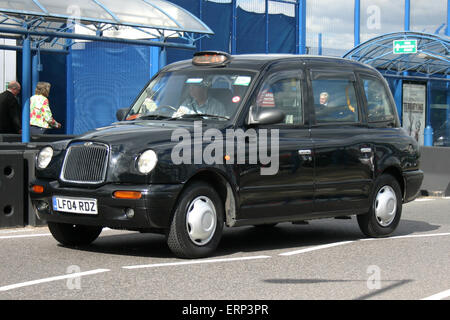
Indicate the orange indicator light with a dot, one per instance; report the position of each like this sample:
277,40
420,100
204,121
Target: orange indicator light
37,189
127,195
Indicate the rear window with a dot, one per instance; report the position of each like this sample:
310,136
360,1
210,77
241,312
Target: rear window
379,108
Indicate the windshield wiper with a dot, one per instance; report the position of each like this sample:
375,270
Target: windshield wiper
153,117
201,115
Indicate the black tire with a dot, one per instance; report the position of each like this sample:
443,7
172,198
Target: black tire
370,223
74,235
180,235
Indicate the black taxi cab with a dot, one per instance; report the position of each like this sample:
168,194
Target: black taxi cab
227,141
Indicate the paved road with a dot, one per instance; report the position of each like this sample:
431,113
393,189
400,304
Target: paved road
326,259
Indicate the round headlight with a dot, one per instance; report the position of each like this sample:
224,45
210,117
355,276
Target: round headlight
44,157
147,161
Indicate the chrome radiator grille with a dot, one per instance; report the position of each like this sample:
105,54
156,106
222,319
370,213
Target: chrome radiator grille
85,163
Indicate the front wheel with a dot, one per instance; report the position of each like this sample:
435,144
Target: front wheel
386,208
197,223
74,235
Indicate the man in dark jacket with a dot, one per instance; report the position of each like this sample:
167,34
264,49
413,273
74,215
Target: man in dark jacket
10,113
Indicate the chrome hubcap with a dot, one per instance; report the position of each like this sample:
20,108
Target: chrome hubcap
385,206
201,220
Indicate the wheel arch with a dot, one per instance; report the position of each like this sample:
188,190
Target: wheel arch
396,172
222,186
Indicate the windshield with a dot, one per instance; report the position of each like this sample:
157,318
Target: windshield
210,94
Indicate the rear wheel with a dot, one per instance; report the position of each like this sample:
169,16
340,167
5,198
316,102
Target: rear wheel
74,235
197,224
386,208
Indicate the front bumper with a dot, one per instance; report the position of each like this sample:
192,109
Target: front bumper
152,211
413,182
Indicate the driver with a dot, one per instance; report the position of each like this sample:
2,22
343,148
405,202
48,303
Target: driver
199,101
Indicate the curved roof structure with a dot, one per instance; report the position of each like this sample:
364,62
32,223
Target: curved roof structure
155,14
431,58
139,22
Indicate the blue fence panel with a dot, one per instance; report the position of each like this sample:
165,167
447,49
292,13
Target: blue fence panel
106,77
250,32
217,16
54,72
281,33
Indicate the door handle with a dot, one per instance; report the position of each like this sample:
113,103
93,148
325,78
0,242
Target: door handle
367,157
304,152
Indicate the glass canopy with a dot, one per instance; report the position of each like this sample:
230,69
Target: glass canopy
431,56
147,14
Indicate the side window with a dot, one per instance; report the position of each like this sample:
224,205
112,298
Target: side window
378,106
335,98
283,92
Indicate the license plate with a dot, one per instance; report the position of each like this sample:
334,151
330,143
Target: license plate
75,205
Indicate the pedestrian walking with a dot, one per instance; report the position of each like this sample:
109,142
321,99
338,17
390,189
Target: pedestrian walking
10,114
41,117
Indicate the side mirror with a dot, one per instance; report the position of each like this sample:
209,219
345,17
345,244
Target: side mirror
121,113
265,116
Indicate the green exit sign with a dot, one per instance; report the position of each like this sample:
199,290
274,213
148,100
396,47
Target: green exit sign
404,46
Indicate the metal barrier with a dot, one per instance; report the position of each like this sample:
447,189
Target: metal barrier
435,163
10,137
30,217
12,188
40,138
17,170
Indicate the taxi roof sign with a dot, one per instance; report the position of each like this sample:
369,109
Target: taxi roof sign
210,58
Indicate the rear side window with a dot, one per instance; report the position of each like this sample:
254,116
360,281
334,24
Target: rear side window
379,107
335,98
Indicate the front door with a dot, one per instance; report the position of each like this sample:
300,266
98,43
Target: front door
288,190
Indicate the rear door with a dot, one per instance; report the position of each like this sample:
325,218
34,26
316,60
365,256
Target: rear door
343,154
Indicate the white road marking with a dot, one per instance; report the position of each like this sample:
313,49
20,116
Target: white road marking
170,264
29,230
410,236
68,276
324,246
8,231
439,296
26,236
330,245
31,235
424,200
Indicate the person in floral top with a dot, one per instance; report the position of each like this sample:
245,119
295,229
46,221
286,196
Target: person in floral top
41,117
